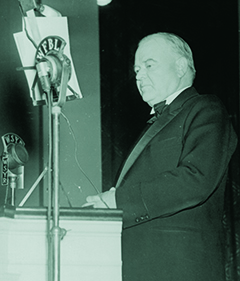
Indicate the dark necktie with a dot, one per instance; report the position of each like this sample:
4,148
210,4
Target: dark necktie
158,108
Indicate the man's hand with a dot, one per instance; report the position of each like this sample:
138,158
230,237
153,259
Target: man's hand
103,200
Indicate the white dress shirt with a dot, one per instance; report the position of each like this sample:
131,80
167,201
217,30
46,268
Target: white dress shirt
172,97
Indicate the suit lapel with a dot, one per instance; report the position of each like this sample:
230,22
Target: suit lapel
171,111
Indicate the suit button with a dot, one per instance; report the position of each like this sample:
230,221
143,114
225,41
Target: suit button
137,220
147,217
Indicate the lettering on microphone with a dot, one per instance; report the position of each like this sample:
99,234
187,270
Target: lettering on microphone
4,170
11,138
49,44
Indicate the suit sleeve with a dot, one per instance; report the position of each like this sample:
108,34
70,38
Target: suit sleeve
207,144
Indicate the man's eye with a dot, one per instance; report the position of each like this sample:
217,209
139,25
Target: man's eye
148,65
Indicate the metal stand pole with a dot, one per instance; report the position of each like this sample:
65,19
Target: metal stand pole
56,233
13,186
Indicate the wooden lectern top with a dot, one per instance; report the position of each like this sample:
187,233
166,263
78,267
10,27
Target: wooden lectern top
9,211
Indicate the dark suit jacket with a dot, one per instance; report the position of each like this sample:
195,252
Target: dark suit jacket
172,193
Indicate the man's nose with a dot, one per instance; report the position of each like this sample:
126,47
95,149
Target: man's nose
141,74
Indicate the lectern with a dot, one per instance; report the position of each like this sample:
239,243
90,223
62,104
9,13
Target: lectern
90,249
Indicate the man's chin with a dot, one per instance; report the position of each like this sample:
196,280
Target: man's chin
147,98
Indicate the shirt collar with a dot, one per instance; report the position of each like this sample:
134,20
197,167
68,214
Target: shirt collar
172,97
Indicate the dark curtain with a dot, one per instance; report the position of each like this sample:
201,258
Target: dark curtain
231,221
211,29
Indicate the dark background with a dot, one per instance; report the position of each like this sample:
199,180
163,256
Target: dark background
210,27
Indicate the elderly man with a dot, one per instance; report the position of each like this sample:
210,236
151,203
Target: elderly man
171,187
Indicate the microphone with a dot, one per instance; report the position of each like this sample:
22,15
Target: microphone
14,157
17,157
53,68
43,74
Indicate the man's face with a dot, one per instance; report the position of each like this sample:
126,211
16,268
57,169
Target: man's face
156,71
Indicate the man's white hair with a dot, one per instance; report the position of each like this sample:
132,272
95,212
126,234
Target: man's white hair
178,45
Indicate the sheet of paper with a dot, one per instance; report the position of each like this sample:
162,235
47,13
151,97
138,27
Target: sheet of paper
39,28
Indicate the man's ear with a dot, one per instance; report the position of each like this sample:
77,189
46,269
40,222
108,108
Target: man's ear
182,66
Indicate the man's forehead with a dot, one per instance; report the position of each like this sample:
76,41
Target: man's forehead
152,47
154,41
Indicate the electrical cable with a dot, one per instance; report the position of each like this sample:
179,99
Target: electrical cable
66,195
76,159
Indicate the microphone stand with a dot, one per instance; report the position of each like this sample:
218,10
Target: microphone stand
56,234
